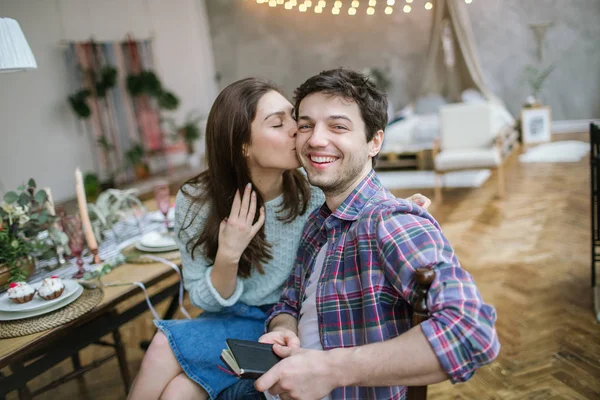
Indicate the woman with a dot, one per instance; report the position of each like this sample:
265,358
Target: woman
239,225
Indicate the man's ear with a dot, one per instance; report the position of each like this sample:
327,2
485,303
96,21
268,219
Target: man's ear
375,143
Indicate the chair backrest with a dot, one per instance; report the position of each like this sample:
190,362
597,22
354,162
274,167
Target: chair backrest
467,126
424,277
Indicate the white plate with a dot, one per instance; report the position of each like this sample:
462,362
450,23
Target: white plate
157,239
157,216
11,316
37,303
143,248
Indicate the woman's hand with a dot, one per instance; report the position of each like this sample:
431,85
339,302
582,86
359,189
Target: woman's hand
237,230
420,200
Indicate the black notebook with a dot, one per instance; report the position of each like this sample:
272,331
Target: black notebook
249,360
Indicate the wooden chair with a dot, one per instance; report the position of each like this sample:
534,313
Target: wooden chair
595,193
424,277
471,138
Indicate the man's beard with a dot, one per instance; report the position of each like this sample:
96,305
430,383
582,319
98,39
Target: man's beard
340,183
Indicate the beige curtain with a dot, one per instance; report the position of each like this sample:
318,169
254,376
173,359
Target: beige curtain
465,71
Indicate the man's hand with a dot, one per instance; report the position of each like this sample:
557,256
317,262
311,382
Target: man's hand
282,339
304,374
420,200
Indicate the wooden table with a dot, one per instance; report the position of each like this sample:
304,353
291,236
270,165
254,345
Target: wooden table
57,344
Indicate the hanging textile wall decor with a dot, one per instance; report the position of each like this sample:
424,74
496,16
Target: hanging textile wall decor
118,98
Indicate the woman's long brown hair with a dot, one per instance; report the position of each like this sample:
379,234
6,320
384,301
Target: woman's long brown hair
228,131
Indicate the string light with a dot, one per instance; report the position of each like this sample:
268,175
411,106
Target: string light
468,1
336,7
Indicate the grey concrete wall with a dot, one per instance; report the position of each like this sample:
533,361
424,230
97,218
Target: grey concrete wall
251,39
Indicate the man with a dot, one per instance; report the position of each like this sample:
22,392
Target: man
348,301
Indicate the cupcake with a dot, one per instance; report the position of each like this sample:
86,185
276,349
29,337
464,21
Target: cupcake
51,288
20,292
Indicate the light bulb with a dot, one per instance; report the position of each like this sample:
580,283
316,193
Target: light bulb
355,4
428,6
280,2
335,11
318,9
407,8
308,3
370,11
352,11
294,3
338,4
468,1
389,10
372,3
272,3
391,2
302,8
409,1
322,3
288,5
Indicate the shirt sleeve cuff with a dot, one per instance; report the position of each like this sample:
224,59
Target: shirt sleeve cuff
456,367
239,289
279,309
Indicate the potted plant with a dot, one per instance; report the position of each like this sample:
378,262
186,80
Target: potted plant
147,83
189,131
136,158
536,79
112,206
23,216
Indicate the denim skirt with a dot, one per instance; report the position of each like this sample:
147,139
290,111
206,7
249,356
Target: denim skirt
197,343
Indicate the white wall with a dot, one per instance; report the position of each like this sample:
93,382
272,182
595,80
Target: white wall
39,136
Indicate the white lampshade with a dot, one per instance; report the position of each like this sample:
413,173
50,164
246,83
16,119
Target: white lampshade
15,54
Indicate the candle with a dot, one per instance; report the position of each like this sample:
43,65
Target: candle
50,202
85,218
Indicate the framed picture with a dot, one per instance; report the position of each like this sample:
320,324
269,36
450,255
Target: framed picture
536,124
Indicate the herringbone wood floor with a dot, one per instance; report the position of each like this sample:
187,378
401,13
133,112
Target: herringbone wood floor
529,255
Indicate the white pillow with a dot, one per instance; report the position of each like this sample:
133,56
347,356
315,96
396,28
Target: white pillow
472,96
429,104
426,129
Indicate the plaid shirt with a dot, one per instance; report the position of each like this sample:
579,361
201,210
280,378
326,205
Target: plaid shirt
366,287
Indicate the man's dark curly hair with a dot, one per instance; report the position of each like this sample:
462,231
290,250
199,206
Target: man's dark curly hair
351,85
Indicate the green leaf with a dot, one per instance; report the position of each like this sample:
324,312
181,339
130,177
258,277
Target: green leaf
21,188
24,199
43,218
41,196
11,197
31,183
34,217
